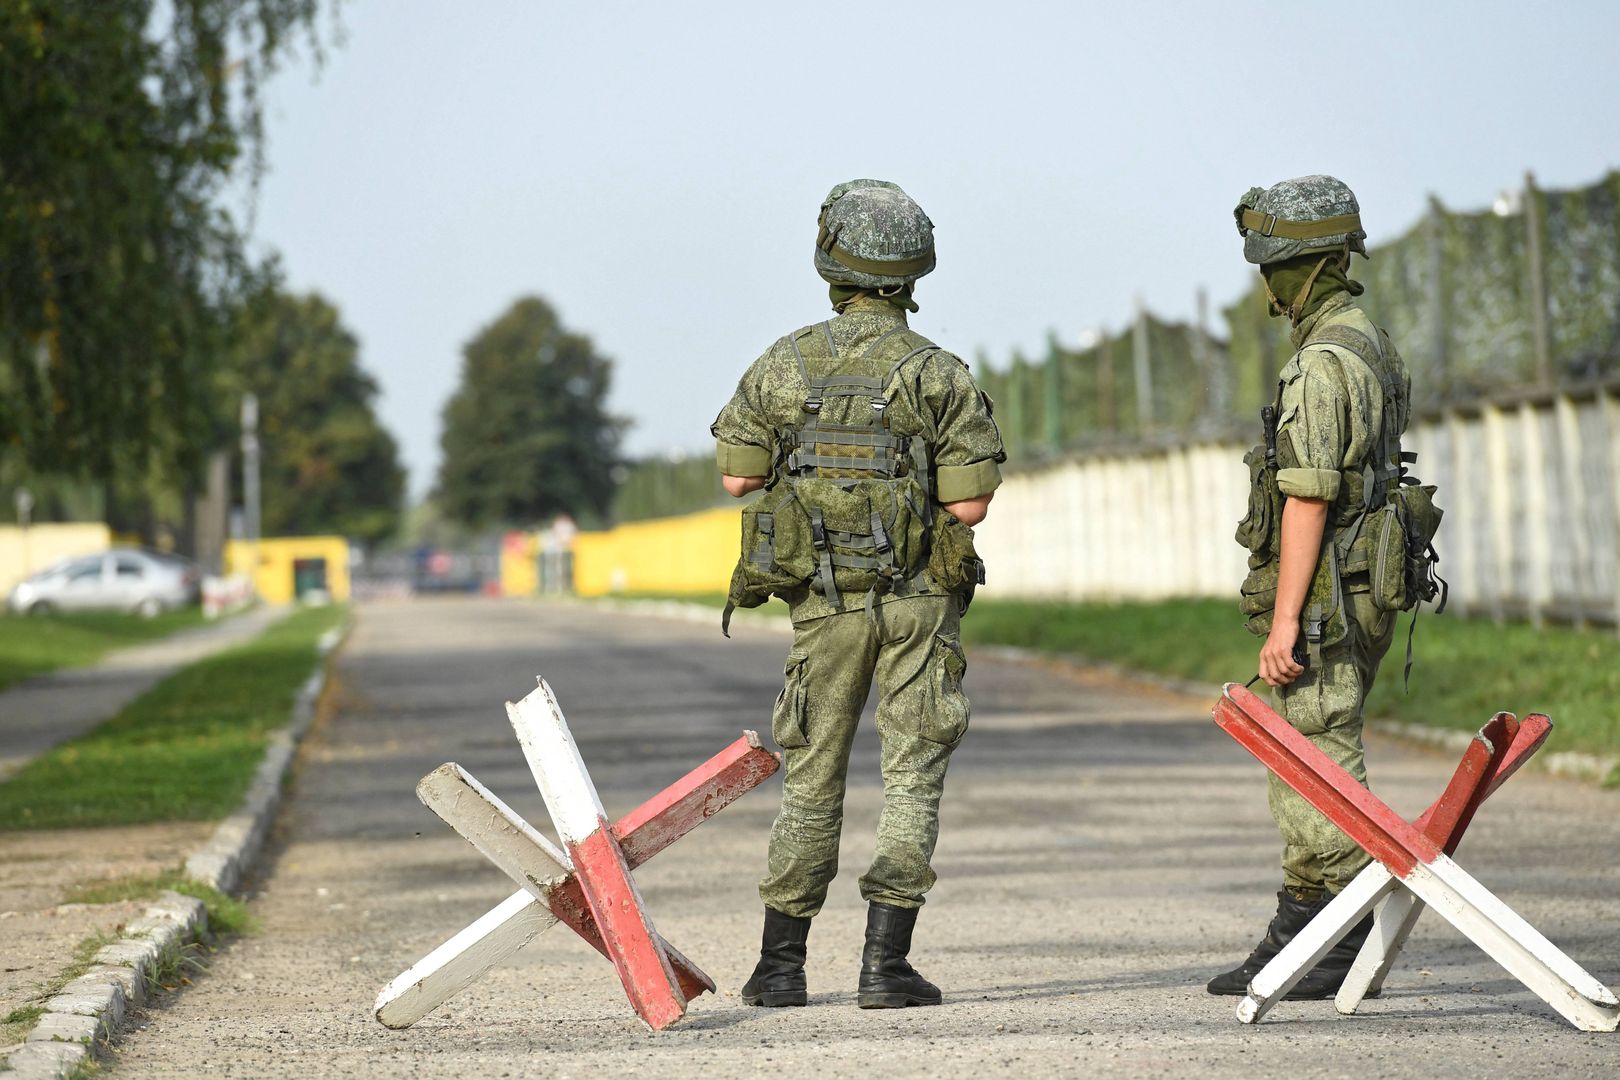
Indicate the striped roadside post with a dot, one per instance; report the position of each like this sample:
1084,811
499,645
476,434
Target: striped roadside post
577,885
1408,859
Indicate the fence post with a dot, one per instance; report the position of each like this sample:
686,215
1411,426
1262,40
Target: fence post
1534,243
1014,432
1054,398
1440,300
1142,363
1577,501
1215,374
1609,547
1499,487
1533,513
1108,404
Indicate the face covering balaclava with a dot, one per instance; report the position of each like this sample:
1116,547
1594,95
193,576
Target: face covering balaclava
1297,287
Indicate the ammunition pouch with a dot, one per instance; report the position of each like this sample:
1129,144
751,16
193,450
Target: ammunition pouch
953,563
1324,622
1400,549
1263,523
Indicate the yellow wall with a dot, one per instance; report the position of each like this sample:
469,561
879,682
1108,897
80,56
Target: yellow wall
520,568
694,553
273,574
22,551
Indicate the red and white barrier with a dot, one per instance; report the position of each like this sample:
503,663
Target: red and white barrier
588,886
1409,859
1496,753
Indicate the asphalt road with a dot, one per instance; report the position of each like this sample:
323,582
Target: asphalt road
1104,850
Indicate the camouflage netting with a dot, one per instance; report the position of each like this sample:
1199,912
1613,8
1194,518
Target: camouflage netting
1454,291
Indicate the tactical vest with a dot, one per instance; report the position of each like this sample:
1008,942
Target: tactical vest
1380,543
848,509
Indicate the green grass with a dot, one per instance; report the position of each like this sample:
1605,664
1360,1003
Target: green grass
183,751
18,1023
35,645
226,914
1466,669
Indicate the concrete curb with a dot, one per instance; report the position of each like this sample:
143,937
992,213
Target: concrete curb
1569,764
92,1009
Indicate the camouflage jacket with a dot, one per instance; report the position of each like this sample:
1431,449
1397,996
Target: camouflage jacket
1330,412
770,399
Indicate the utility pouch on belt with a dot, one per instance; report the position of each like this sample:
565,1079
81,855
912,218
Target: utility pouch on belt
777,552
1401,556
952,561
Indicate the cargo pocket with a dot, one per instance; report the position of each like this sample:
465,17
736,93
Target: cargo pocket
789,718
946,719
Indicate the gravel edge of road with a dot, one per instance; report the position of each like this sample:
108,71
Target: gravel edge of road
1568,764
94,1008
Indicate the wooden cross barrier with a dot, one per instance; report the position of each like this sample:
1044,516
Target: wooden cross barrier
586,885
1410,858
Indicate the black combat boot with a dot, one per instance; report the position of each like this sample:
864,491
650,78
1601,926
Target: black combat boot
778,978
1324,980
887,981
1291,917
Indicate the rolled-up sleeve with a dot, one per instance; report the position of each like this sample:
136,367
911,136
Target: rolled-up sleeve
742,435
969,453
1315,425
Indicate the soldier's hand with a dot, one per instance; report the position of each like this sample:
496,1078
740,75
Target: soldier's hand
1277,664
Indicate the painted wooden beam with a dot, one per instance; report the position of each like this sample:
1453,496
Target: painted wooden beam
1513,743
461,961
601,870
643,833
1419,864
529,859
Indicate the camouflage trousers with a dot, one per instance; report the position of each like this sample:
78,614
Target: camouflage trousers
915,656
1326,706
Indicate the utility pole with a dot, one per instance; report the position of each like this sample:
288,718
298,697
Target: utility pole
250,470
24,501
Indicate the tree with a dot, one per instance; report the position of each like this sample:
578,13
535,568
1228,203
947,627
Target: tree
121,123
527,434
327,465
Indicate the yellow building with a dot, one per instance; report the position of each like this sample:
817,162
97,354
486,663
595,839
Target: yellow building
694,553
23,551
288,568
520,565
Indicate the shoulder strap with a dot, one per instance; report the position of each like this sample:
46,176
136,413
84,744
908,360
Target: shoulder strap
1387,465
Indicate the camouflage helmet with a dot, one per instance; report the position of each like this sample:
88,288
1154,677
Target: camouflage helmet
873,235
1298,216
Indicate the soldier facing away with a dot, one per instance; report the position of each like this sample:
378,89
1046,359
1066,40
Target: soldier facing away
877,453
1338,544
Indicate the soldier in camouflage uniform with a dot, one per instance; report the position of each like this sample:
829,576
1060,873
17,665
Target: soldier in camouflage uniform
861,408
1341,399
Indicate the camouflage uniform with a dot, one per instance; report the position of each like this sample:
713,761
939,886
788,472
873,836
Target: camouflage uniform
1330,416
1330,434
911,648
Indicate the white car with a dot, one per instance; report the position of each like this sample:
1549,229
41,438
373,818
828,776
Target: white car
123,579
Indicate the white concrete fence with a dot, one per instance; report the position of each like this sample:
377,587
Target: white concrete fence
1531,490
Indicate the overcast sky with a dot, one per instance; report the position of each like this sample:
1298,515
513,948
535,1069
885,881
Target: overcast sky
654,169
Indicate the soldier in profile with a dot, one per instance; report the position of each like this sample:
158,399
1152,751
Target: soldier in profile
1336,541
